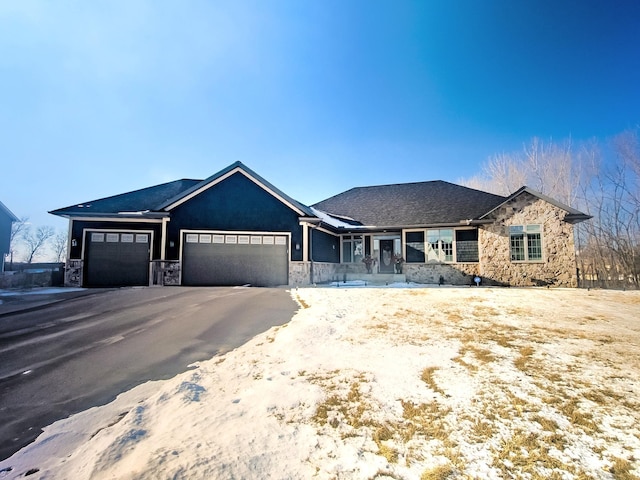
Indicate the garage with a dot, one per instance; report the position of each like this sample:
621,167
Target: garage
229,258
117,258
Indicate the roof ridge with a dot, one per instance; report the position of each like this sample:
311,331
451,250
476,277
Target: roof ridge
399,184
230,169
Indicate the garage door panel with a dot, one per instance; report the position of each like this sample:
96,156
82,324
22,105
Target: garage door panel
116,259
235,263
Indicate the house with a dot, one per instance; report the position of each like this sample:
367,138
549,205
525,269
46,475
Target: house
6,220
236,228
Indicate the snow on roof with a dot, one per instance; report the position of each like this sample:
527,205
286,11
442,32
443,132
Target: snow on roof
335,222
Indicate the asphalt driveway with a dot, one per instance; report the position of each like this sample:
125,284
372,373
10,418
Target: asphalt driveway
69,354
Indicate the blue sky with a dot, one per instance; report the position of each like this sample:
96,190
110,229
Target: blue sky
102,97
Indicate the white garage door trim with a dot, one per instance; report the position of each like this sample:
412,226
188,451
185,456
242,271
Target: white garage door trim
123,236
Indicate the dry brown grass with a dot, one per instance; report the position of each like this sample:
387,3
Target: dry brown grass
525,354
577,416
534,394
441,472
621,469
302,302
427,419
427,377
520,453
485,312
482,429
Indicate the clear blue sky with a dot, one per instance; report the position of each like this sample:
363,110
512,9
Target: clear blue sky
103,97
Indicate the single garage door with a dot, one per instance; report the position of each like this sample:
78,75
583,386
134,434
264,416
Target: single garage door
116,259
235,259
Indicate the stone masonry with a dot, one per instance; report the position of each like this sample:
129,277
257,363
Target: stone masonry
558,264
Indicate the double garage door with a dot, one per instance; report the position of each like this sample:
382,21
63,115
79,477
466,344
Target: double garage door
213,258
116,259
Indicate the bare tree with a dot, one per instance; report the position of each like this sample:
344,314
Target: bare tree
59,246
610,243
506,172
550,168
17,230
36,242
601,179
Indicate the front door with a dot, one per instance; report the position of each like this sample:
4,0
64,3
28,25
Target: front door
386,256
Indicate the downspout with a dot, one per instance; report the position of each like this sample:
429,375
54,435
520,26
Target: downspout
310,224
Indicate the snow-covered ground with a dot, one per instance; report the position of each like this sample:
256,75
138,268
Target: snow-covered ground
386,383
39,291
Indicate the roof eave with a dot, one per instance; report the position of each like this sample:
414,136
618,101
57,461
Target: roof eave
577,218
115,215
571,212
387,228
9,213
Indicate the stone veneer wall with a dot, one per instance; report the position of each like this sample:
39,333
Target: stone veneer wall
73,273
300,272
452,274
558,265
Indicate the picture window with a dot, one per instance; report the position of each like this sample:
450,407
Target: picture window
525,242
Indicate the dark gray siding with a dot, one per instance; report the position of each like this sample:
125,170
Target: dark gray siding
235,204
5,233
326,248
75,251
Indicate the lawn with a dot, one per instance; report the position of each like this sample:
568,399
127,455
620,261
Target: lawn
386,383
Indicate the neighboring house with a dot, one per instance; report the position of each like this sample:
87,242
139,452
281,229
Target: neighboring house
235,228
6,220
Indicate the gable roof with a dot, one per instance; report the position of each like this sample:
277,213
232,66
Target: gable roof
159,200
8,212
416,204
573,215
138,202
236,167
411,204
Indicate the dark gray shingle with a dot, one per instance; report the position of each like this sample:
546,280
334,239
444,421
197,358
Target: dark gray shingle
422,203
149,198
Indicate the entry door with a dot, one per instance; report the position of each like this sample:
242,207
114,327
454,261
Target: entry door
386,256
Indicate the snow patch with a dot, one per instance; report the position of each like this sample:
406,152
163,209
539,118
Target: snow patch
383,383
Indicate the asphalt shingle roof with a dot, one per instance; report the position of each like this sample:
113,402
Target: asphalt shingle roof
406,204
159,198
150,198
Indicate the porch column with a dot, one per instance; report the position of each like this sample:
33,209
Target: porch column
305,242
163,240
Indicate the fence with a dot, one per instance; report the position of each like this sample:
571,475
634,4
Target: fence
30,275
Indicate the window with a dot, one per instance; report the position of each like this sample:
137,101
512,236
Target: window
440,245
525,242
415,247
467,246
435,245
352,249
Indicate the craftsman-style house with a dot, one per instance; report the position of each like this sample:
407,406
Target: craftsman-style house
235,228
